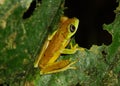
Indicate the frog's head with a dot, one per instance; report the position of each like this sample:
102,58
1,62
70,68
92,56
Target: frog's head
72,27
68,27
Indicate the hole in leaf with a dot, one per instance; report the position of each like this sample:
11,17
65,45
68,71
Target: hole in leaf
78,84
92,15
4,84
31,9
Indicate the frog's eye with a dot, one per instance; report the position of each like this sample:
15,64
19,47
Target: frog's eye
72,28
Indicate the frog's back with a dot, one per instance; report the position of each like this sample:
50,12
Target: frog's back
59,41
53,49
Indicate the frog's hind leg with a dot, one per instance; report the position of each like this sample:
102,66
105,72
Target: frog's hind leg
58,67
43,49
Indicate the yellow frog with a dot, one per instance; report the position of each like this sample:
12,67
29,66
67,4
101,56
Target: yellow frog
55,46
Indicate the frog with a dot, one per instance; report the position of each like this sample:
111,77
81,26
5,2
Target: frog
55,45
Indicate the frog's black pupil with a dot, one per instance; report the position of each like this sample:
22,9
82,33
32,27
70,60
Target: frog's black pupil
72,28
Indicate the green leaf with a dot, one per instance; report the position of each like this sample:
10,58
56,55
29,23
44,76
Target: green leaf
21,41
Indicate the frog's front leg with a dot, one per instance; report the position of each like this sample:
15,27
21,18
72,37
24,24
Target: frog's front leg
72,49
58,67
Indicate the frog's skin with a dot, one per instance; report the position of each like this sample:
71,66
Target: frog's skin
55,46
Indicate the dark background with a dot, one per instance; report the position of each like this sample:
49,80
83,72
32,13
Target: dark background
92,15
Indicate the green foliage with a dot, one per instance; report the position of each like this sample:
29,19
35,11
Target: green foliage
21,40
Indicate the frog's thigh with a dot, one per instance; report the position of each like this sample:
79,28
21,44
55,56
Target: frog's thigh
43,49
41,53
58,67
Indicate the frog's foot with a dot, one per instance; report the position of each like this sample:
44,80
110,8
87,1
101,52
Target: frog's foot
76,47
72,49
58,67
